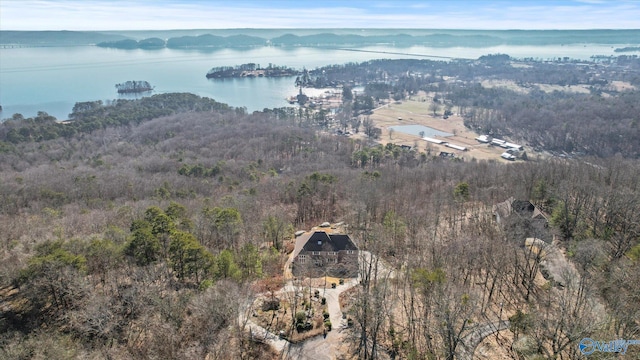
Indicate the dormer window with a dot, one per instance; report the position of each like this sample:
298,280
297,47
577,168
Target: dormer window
319,242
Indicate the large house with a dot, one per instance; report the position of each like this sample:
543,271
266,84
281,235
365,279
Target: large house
522,219
325,254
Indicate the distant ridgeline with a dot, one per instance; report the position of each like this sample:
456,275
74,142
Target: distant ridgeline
441,39
324,37
130,87
250,70
56,38
186,42
150,43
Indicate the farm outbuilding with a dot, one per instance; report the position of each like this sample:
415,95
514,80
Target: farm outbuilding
512,146
432,140
454,146
484,139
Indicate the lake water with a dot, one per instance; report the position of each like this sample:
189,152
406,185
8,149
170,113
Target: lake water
53,79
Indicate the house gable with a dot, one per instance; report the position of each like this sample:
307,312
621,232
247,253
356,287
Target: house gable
320,241
323,253
522,218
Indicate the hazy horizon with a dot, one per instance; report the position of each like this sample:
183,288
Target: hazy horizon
164,15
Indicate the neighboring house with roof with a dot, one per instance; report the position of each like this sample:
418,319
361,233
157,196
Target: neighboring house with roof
325,254
523,208
523,218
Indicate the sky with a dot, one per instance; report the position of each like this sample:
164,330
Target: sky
280,14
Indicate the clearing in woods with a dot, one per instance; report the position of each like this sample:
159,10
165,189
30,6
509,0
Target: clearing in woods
417,110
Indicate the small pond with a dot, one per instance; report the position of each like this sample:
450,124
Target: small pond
416,129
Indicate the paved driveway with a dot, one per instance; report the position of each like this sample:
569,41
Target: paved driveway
319,347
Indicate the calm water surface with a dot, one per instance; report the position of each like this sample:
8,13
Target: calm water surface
418,129
53,79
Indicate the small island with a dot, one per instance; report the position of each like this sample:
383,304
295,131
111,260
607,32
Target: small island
134,87
250,70
627,49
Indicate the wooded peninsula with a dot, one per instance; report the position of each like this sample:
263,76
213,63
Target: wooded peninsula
250,70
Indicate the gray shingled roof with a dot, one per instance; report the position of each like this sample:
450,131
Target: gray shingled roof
321,241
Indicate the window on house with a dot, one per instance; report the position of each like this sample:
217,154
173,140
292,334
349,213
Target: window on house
316,253
349,252
331,253
302,258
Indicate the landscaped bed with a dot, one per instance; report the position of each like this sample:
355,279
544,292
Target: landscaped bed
294,316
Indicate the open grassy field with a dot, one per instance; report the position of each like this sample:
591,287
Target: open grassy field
416,111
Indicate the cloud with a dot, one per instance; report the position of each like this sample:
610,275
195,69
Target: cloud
590,1
196,14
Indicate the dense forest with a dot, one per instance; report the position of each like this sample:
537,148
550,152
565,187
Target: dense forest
137,229
89,116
